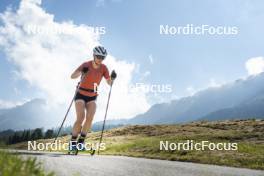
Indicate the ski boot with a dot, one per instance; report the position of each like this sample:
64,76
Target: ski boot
81,146
73,150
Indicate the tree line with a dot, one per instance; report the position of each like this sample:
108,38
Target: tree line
12,137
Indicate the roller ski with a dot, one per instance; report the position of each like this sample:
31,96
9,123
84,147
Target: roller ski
73,150
75,147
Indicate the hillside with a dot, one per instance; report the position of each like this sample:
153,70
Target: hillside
144,141
242,98
252,108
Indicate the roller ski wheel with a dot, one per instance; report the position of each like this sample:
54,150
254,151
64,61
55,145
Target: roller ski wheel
73,150
92,151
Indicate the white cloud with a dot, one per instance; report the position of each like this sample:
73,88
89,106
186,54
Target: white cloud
190,91
144,75
100,3
214,83
46,59
255,65
17,91
151,59
9,104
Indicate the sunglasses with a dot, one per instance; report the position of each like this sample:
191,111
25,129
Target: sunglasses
100,57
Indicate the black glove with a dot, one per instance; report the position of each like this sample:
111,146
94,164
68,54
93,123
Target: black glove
85,70
113,75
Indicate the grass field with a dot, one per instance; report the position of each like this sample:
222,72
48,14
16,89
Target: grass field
144,141
13,164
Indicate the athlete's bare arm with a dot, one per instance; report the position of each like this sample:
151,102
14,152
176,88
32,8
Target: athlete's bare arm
76,74
109,81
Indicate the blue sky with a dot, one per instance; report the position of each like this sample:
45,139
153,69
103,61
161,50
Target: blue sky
132,34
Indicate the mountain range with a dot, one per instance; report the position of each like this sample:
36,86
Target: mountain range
32,114
241,99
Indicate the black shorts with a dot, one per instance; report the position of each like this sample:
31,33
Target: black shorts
85,98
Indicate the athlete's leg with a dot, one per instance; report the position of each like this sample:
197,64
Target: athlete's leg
90,111
80,113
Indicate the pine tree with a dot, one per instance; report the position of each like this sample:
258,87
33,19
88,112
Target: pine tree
49,134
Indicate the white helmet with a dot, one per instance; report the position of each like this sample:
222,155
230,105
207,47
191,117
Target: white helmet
100,51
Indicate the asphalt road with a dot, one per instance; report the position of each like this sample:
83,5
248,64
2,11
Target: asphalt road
86,165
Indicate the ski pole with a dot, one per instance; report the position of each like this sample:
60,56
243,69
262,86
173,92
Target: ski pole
102,132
